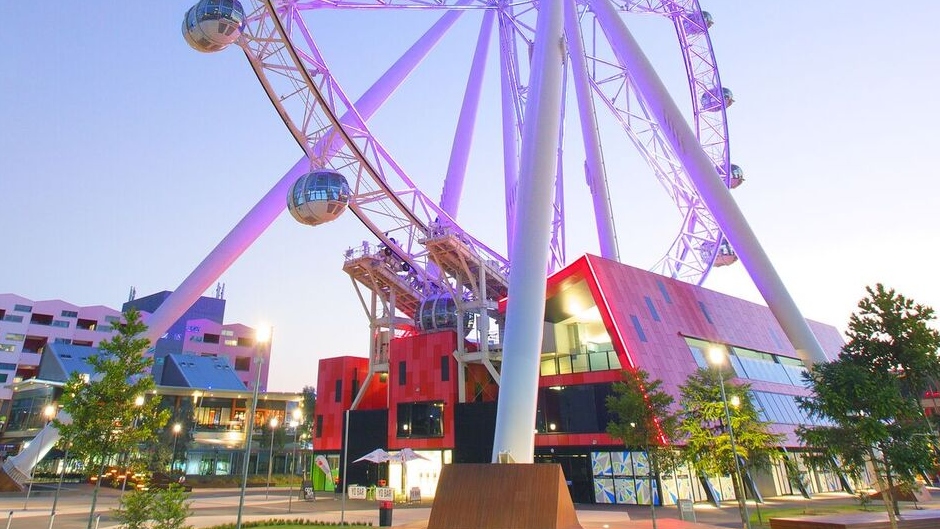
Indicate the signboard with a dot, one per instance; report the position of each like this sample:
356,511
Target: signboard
414,495
686,510
307,490
357,492
384,494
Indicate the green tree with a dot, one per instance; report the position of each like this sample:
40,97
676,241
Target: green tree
134,509
109,412
309,394
171,508
154,509
892,333
703,422
642,416
867,402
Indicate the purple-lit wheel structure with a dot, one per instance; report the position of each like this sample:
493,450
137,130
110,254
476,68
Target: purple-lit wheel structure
333,129
425,271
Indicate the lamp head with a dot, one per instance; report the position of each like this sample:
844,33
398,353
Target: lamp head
716,355
263,334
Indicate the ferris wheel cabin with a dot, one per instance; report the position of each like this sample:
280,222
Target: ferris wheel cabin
211,25
318,197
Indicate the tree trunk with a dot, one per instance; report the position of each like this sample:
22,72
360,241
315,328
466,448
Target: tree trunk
894,497
94,494
886,495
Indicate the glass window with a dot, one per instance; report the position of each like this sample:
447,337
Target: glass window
6,366
15,337
599,361
61,323
402,373
69,314
663,291
445,368
652,308
242,363
421,419
338,391
705,312
549,367
564,365
613,360
22,308
579,363
639,329
13,317
7,348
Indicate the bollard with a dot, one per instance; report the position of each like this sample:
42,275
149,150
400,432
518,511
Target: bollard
385,514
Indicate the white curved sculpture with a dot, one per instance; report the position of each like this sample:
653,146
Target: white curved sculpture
17,470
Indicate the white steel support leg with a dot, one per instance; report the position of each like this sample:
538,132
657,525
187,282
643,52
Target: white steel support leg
508,87
463,137
275,201
709,186
225,253
525,312
594,157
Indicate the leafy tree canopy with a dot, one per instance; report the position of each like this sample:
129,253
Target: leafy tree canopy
108,408
642,415
703,422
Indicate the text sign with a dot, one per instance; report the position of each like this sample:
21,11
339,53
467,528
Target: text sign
384,494
357,492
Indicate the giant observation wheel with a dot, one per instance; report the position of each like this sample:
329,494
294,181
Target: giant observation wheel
333,129
426,266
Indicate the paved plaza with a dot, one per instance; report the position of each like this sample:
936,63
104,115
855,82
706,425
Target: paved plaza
219,506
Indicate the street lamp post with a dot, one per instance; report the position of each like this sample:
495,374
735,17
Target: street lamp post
295,424
260,339
177,427
58,487
267,486
48,412
138,402
717,357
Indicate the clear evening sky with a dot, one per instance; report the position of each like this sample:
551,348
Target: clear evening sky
125,156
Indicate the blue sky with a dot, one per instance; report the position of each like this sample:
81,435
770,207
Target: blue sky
126,156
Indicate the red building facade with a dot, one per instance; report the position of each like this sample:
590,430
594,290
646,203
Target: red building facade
601,317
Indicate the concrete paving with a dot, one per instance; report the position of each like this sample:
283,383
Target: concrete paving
219,506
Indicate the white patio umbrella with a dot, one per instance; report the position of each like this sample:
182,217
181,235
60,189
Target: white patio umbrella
376,456
404,456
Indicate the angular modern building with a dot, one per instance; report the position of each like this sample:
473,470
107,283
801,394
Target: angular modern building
54,337
601,317
204,396
27,327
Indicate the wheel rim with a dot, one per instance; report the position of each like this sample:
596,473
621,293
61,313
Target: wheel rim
333,130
